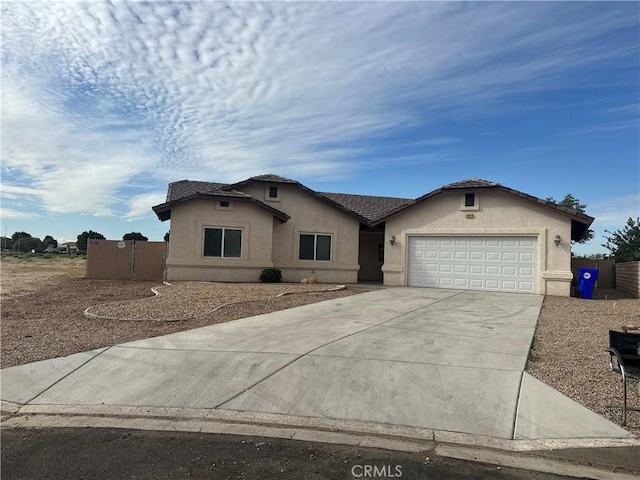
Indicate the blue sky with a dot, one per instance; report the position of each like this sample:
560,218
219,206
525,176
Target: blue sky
105,103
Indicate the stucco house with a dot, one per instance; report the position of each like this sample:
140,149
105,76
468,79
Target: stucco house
472,234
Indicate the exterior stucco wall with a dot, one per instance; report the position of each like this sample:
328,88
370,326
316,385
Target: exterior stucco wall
310,215
499,214
185,260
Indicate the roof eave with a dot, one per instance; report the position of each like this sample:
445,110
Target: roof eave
163,210
576,217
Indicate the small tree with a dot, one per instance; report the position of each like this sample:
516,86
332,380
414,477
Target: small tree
572,202
625,242
26,244
84,236
134,236
49,240
18,235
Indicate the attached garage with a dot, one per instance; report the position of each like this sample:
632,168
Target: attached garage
501,264
480,235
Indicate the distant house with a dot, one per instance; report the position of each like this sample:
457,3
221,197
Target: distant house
473,234
69,247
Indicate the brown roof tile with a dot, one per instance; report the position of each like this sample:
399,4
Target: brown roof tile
367,206
470,183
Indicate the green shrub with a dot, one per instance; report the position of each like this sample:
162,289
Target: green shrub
271,275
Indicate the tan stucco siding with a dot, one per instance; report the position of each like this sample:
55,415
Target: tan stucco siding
188,221
310,215
498,214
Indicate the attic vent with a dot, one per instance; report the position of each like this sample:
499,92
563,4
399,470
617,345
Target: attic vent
273,192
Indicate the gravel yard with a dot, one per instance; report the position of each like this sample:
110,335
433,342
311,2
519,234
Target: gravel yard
43,313
191,300
569,350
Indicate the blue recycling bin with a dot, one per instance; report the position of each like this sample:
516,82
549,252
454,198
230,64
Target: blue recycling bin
587,281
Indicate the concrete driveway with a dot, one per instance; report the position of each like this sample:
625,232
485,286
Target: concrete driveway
439,360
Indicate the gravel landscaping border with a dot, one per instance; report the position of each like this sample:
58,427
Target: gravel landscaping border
177,302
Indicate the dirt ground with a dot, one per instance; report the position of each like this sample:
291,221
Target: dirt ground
20,276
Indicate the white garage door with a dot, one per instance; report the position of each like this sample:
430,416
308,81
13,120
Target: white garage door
501,264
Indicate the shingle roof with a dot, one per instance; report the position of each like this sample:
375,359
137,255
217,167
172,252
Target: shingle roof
369,209
267,178
184,188
470,183
367,206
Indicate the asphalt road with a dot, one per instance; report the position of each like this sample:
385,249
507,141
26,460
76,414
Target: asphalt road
99,453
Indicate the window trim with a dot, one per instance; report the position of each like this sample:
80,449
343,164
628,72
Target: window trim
222,238
267,193
315,246
476,201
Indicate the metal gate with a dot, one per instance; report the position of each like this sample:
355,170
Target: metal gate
125,260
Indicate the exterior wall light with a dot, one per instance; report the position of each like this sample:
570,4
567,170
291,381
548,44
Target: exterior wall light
557,240
392,240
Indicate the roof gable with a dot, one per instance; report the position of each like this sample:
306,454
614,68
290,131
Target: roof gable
579,221
184,191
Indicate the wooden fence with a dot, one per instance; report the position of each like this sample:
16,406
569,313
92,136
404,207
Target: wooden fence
628,278
605,266
125,260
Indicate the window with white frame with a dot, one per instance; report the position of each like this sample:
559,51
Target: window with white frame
222,242
315,246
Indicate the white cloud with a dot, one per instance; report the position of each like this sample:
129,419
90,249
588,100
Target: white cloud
140,205
8,213
100,95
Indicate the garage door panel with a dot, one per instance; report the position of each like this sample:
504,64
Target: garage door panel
526,257
509,271
480,263
492,270
508,256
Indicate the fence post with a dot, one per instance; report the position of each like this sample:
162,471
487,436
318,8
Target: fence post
132,264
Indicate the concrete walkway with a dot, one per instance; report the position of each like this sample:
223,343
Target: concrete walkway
421,359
